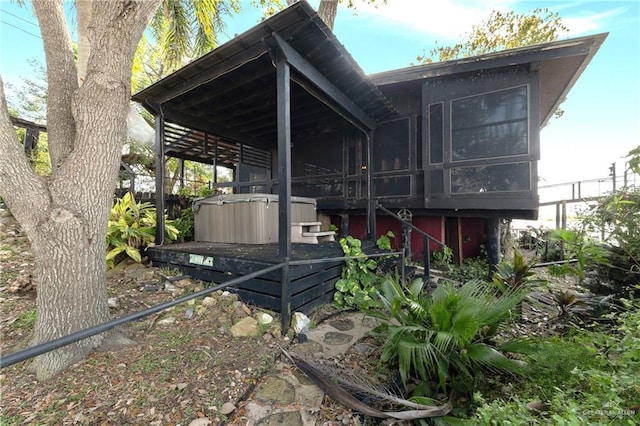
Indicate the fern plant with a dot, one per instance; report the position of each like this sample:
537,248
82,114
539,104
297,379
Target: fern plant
132,225
445,336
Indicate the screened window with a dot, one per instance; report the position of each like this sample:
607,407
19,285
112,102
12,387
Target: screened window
490,125
491,178
391,146
436,133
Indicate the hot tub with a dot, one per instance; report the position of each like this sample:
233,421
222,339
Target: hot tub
245,218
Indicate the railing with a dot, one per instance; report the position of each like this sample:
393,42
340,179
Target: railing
426,238
33,351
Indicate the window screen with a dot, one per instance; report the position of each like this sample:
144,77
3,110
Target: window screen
391,146
490,125
436,133
492,178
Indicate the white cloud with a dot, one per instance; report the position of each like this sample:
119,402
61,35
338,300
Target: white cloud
450,19
591,22
446,19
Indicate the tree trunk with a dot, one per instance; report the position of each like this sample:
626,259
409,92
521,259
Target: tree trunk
65,215
83,11
327,11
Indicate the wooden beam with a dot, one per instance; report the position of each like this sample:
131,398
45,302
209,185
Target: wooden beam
220,131
284,157
318,79
160,179
202,77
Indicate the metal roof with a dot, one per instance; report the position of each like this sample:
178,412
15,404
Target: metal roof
230,93
560,64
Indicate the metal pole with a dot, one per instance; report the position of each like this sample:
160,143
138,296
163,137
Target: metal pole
426,259
42,348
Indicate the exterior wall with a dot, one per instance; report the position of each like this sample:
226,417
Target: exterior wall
472,232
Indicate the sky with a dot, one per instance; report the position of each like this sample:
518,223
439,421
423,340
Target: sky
601,121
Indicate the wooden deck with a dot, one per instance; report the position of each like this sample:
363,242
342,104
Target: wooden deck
309,285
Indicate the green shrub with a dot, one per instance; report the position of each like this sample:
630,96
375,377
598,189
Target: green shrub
185,224
132,225
578,246
445,336
356,287
588,377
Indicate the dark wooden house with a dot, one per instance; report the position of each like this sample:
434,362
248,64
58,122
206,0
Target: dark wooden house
452,146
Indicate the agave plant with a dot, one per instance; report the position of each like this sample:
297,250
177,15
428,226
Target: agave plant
445,336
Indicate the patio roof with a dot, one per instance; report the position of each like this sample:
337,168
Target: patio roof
230,93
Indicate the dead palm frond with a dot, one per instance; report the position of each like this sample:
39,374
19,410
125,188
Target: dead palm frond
342,387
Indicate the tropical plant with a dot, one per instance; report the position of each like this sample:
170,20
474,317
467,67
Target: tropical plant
514,274
579,247
445,336
616,218
132,225
185,224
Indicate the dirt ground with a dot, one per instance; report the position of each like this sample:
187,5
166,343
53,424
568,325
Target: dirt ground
186,364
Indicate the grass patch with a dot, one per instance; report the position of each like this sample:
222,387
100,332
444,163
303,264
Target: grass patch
26,320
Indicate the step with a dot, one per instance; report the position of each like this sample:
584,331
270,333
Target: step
300,227
321,236
313,237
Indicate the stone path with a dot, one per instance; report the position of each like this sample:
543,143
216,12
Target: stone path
286,396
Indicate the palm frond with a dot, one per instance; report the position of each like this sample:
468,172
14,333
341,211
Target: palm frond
488,356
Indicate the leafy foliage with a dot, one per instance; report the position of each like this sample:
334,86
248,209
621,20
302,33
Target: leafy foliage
444,336
356,287
503,30
616,217
131,226
185,224
589,377
513,275
578,246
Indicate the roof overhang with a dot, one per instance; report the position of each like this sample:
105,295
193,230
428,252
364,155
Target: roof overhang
230,92
559,64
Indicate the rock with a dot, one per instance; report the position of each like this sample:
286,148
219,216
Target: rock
227,408
200,422
264,319
245,327
342,324
185,282
188,314
209,301
228,295
167,320
300,322
267,337
537,406
241,309
291,418
170,288
275,390
335,338
113,302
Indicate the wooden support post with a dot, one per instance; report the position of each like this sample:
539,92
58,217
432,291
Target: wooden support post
283,78
285,298
493,244
371,209
160,179
564,215
181,171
